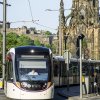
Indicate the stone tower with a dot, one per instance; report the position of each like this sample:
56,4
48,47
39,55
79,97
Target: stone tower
61,27
85,19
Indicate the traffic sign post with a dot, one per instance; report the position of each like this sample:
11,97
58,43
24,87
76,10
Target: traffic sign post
81,94
79,54
80,38
66,57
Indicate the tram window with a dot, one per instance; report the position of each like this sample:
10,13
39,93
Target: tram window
6,71
9,71
75,70
71,70
63,69
55,70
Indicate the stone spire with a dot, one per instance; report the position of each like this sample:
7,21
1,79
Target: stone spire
61,27
61,16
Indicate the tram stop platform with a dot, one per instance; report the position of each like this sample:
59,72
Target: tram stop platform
2,95
73,93
85,97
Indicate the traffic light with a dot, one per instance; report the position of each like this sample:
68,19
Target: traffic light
77,42
81,36
78,53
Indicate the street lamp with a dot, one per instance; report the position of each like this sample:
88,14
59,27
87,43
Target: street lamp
58,10
4,35
80,38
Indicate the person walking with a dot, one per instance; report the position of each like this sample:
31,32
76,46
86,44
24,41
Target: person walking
95,84
83,84
98,82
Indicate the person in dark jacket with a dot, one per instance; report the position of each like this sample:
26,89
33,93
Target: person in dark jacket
98,82
95,83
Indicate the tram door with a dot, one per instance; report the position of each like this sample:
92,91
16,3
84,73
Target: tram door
56,73
63,73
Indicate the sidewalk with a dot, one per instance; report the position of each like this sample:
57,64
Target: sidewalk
84,98
74,94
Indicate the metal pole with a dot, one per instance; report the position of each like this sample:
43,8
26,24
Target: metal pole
67,69
65,42
59,72
60,41
81,69
4,37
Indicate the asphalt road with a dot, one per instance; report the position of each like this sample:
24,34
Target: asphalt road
58,96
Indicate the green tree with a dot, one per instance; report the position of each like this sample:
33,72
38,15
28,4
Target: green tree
47,33
14,40
37,42
24,40
0,53
11,40
84,43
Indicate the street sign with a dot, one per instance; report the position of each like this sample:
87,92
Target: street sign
66,57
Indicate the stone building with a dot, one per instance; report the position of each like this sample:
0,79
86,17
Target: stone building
84,19
32,33
61,28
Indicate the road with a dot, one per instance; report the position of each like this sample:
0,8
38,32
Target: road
63,93
56,96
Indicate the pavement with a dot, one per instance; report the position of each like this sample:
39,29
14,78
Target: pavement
73,93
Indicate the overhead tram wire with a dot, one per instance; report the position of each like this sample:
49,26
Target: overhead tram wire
43,25
34,22
30,10
24,21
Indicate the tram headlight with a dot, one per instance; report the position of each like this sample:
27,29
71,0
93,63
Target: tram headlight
18,84
24,84
49,84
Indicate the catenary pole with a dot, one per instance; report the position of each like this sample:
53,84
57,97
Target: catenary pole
81,94
4,37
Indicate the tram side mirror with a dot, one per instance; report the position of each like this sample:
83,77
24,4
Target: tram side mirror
8,58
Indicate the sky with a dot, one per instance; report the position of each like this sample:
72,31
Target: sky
47,20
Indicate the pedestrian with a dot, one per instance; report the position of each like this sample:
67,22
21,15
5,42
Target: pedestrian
91,80
92,83
98,82
95,83
83,84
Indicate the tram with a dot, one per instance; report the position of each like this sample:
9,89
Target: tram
63,77
28,73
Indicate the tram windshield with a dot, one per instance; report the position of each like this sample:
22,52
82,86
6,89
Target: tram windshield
32,68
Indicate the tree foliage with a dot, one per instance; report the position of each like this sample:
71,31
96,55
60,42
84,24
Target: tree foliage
13,40
37,42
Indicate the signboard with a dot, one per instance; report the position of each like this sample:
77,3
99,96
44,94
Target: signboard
66,57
